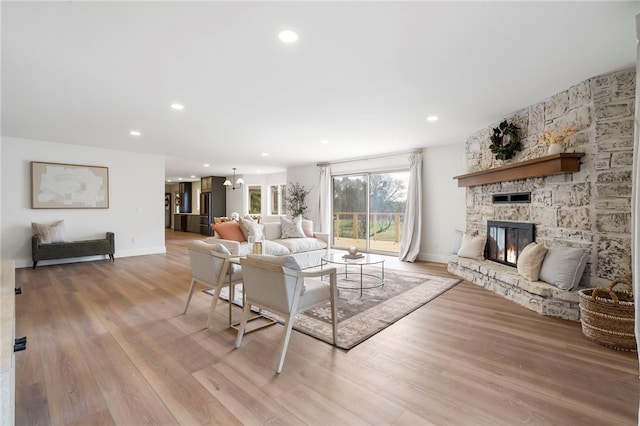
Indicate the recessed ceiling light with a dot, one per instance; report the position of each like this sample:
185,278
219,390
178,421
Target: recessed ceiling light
193,176
135,133
324,141
265,154
432,118
258,171
168,180
288,36
177,107
179,178
207,165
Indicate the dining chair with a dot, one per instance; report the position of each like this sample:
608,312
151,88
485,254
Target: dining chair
211,266
276,284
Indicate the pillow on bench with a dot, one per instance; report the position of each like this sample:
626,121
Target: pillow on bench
530,261
472,246
564,266
54,233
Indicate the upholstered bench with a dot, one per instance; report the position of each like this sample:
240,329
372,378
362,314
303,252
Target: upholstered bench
40,251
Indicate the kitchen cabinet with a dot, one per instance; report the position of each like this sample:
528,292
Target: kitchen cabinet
185,197
213,202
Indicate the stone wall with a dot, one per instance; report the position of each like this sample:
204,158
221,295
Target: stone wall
590,208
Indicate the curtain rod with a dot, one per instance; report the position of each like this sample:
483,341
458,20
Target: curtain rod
372,157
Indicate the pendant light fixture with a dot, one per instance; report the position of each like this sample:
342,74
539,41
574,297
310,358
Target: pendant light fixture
238,182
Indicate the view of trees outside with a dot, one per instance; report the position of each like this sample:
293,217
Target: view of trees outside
380,229
277,193
255,200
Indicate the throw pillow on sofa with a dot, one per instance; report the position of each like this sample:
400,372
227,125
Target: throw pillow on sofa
564,266
292,228
54,233
530,261
229,231
307,228
251,228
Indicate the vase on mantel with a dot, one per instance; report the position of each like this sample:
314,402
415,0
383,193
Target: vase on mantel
554,148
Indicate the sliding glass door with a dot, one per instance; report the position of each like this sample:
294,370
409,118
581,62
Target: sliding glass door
368,210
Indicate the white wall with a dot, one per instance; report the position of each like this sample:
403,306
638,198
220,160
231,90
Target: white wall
136,199
236,198
444,204
1,257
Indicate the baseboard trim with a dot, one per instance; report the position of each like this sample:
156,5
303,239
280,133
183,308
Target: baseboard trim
429,257
28,263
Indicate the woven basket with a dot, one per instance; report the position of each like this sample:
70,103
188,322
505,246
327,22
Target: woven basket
608,316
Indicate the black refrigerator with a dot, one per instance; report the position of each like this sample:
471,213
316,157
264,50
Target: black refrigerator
213,202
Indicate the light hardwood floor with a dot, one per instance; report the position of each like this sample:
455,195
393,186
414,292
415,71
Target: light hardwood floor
108,344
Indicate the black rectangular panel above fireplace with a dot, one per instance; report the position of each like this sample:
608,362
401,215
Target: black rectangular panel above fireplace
506,240
513,197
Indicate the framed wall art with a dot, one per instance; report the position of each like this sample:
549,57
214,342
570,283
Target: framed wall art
69,186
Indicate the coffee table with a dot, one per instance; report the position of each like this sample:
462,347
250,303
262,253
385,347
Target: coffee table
365,260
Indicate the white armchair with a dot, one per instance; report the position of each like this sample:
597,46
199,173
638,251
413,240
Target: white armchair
210,266
276,284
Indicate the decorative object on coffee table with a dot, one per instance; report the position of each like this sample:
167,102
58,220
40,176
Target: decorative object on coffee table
352,253
358,260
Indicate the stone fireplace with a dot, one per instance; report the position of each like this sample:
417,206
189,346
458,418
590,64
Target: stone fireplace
506,240
589,207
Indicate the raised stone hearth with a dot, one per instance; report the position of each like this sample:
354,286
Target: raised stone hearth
545,299
589,208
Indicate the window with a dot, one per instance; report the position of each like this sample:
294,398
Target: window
255,199
277,194
368,210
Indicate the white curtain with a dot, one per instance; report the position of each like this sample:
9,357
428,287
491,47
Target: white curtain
410,245
324,198
635,201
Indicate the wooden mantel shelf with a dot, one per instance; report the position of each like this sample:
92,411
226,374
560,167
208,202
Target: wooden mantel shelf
544,166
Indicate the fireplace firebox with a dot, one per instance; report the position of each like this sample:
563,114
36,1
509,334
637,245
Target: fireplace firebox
506,240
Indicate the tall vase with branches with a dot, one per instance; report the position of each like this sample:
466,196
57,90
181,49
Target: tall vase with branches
295,199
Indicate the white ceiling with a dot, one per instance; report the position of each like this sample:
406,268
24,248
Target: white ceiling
363,75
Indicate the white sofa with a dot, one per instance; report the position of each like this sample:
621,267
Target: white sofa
307,251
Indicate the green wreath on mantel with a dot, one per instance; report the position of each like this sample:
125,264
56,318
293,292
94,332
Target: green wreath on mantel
505,141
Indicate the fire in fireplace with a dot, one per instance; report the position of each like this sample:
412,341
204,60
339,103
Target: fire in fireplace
506,240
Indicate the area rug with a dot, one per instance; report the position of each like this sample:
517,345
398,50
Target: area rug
360,317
